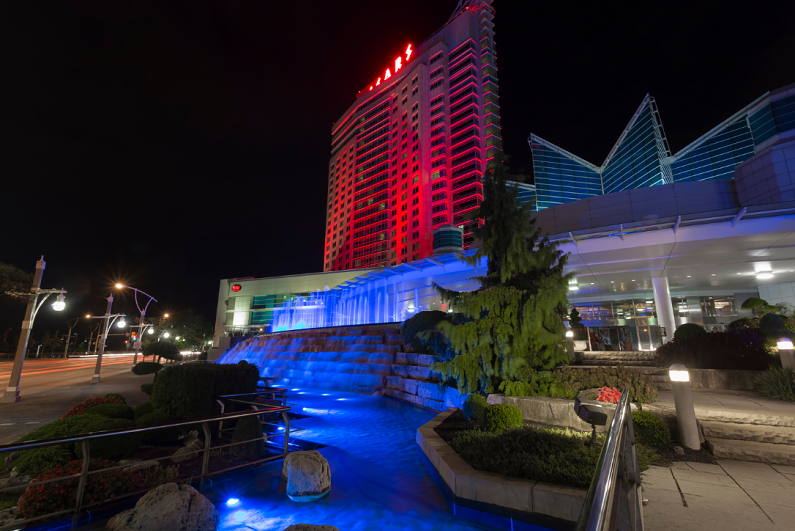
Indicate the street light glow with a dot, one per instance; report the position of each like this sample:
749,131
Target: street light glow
166,334
121,324
59,303
151,331
177,338
166,316
88,316
119,285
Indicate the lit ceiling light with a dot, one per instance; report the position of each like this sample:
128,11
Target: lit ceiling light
612,281
592,283
764,275
633,280
688,276
713,274
574,287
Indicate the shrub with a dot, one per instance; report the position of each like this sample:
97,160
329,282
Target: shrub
609,394
38,460
649,430
147,388
474,406
113,447
739,350
142,410
646,456
743,324
776,382
246,429
161,437
116,395
771,324
146,367
557,456
688,330
202,356
569,382
187,391
420,322
83,407
112,411
498,418
532,383
162,349
60,495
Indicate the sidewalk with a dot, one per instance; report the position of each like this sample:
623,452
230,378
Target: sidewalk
727,405
730,495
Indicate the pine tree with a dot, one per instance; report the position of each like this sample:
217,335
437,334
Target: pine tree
515,320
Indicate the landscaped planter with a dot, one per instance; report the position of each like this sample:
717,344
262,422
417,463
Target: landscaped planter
546,504
555,411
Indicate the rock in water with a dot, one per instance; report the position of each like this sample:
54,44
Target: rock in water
308,475
168,507
310,527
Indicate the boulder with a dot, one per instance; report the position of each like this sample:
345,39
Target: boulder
170,506
189,451
310,527
308,475
10,516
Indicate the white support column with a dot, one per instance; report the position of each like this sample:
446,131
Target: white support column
664,306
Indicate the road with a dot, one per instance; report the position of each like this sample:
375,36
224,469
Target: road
51,386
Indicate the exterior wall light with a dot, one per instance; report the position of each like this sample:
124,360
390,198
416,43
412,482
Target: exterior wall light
685,412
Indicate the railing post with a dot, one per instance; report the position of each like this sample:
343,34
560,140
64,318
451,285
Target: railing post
286,433
82,483
207,441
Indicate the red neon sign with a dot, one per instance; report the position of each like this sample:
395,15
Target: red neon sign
236,287
398,66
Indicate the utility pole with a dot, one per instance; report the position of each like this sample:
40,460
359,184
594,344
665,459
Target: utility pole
12,391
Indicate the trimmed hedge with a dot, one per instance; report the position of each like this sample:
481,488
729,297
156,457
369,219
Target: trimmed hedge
557,456
146,367
114,447
84,406
737,350
688,330
142,410
498,418
187,391
165,436
147,388
474,406
116,395
112,411
649,430
246,429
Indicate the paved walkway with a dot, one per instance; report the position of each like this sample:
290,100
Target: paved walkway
730,495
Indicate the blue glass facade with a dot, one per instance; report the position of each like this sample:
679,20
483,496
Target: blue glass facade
641,157
560,176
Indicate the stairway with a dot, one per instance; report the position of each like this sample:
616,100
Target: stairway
627,358
766,443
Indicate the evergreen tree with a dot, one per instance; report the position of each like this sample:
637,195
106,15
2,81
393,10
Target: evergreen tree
515,320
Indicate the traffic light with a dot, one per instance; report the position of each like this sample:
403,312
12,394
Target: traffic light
126,341
134,336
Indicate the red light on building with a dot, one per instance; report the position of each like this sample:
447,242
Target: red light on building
236,287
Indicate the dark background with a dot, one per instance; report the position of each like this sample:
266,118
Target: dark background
171,144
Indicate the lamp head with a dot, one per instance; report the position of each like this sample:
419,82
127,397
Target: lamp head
119,285
121,323
569,334
166,335
678,373
88,316
784,344
151,331
59,303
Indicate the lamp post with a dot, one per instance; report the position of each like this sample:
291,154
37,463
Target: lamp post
140,325
11,393
71,324
683,400
104,336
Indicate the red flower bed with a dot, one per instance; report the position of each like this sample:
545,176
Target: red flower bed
60,495
609,394
81,408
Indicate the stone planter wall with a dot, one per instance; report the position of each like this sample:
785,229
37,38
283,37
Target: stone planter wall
555,411
720,379
544,504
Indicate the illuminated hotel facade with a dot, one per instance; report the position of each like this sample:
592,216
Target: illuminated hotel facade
408,155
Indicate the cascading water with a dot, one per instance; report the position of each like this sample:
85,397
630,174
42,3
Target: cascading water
385,296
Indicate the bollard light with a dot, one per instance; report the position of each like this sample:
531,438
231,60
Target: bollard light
784,344
786,353
685,411
569,334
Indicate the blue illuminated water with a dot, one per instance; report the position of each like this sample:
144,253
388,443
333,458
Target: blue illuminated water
378,479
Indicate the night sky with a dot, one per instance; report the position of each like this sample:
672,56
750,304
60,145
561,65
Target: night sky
172,144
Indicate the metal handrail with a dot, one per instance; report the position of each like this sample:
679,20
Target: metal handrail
85,438
614,498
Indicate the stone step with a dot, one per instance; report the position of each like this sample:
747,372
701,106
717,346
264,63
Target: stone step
428,403
749,432
761,452
612,362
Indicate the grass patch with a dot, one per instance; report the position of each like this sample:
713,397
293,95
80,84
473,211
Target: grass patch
7,501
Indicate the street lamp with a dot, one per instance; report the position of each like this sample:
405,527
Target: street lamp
96,378
150,331
11,394
166,335
140,325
